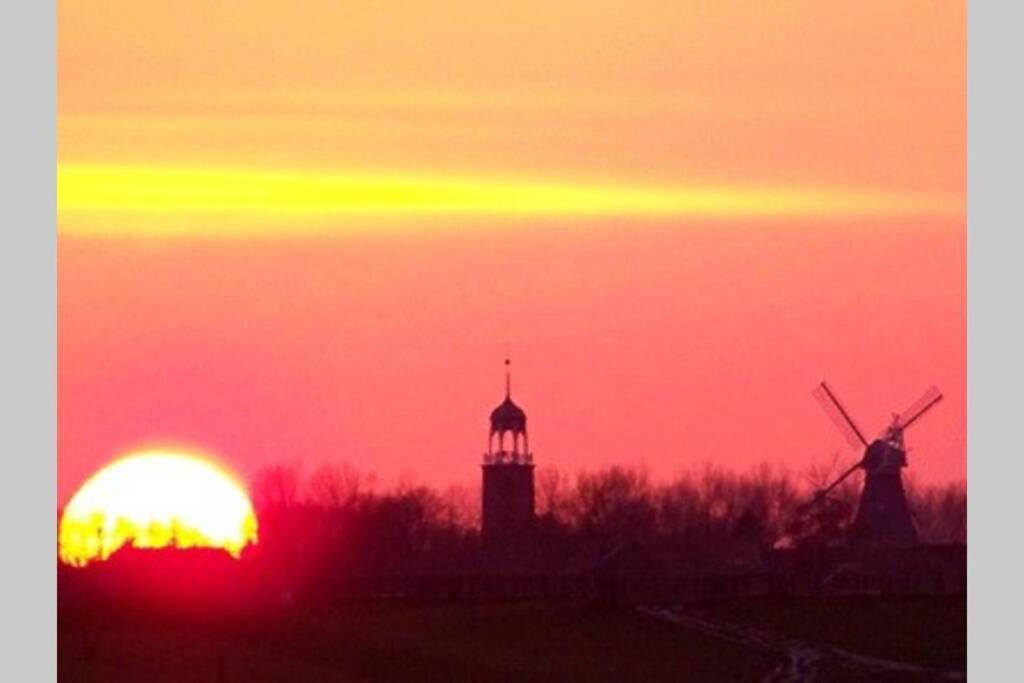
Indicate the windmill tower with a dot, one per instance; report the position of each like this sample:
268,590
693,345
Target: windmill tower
507,473
883,517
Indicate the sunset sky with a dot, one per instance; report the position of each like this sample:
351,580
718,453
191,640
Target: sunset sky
305,232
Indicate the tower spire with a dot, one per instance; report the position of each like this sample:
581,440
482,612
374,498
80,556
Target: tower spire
508,377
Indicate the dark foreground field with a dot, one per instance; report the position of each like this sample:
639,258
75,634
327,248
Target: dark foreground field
739,641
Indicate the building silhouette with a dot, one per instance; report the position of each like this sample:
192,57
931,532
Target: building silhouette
883,516
508,512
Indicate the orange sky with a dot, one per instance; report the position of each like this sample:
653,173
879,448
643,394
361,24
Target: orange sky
306,231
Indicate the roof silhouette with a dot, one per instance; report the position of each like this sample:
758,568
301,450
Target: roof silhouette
508,417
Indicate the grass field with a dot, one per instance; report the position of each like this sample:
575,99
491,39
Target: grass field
930,632
492,642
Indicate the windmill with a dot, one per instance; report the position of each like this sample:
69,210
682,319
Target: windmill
882,514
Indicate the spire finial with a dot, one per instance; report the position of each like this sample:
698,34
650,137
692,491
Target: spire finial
508,374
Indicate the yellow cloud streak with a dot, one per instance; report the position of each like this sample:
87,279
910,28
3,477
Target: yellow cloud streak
308,198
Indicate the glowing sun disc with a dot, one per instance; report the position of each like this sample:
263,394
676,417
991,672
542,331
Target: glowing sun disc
156,499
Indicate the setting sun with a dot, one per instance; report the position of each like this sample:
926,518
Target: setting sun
156,499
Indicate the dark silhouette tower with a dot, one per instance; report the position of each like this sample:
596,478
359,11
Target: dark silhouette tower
883,515
507,474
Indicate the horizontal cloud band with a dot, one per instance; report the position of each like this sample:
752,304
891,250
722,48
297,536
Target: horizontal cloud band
308,196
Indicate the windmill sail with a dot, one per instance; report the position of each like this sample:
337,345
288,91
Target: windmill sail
919,407
839,480
834,409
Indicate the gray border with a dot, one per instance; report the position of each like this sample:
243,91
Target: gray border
995,341
28,291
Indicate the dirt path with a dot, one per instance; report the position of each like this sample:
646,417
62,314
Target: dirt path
801,662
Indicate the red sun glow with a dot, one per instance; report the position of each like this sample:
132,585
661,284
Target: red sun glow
156,499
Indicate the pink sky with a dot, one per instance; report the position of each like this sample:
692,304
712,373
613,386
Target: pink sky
305,234
638,343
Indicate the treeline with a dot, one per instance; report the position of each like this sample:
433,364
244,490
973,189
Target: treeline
337,520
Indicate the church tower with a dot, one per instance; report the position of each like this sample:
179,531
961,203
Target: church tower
507,473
